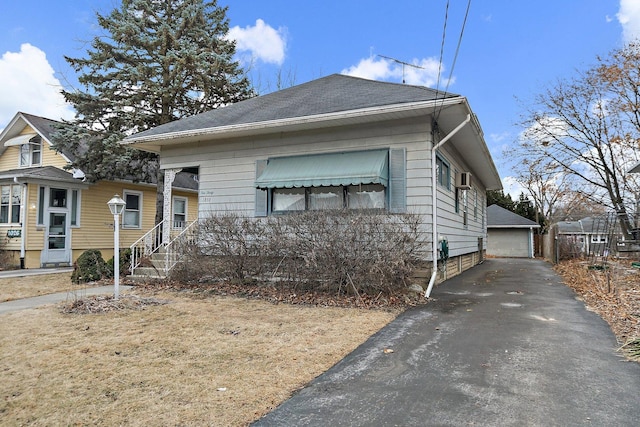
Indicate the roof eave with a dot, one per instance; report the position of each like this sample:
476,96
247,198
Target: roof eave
154,142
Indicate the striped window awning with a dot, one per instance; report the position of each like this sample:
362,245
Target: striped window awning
321,170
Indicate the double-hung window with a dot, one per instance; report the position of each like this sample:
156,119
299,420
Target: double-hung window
443,172
10,203
364,196
179,212
349,180
133,209
31,153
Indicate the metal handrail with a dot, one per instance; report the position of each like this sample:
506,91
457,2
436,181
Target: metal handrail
187,236
146,245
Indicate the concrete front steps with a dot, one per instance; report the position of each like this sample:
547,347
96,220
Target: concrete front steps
153,272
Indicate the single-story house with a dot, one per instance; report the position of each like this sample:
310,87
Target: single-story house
350,143
509,234
50,215
589,236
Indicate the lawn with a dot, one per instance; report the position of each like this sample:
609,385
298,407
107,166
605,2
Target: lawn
175,360
23,287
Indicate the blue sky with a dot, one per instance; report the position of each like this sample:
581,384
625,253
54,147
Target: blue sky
509,51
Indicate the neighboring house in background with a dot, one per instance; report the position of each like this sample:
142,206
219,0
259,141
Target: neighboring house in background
49,216
509,234
588,236
342,142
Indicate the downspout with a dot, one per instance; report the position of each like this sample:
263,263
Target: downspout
23,223
434,197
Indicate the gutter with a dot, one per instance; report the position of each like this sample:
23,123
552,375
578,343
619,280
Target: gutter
434,197
286,122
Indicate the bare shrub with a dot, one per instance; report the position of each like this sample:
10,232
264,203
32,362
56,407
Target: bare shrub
227,247
340,251
569,248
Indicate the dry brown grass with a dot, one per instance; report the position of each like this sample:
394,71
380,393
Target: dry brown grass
216,361
33,286
613,293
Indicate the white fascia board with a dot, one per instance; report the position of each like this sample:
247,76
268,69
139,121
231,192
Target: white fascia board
294,121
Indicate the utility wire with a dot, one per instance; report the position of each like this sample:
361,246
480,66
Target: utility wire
455,58
444,34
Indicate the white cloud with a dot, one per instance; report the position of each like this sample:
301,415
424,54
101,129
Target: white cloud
629,18
512,187
261,41
29,85
423,73
546,130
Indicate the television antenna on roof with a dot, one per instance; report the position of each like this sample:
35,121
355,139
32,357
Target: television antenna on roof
403,64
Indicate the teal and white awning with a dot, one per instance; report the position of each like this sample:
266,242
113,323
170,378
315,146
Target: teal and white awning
20,139
321,170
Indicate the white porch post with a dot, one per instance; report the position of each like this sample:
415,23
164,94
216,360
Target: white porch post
169,176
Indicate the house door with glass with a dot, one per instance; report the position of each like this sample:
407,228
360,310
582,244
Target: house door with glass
57,239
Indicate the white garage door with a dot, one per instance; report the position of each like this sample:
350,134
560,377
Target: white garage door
509,242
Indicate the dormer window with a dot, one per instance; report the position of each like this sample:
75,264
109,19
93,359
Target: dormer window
31,152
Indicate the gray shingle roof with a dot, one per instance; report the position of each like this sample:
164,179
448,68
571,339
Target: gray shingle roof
48,173
499,217
45,127
331,94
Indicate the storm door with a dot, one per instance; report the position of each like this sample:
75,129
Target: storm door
57,246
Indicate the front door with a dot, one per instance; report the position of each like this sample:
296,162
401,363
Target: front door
57,248
57,238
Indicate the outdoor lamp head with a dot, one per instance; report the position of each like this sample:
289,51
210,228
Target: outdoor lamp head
116,205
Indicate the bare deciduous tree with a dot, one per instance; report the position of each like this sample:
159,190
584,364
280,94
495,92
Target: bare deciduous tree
586,128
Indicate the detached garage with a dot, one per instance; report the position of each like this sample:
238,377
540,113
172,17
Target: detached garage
509,234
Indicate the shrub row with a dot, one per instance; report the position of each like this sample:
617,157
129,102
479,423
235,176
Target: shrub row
341,251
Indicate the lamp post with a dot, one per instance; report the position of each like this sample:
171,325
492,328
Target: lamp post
116,206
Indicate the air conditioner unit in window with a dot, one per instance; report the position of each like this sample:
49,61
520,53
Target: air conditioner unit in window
463,180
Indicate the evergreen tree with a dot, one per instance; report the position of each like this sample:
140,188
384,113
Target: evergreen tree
497,197
524,207
158,61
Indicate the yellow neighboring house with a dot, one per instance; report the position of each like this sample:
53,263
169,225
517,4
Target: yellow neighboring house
49,216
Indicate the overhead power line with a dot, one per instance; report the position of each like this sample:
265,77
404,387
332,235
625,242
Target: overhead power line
455,57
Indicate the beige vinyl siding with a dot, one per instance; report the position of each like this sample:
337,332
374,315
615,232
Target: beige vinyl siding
96,221
192,203
461,239
227,170
51,158
35,235
10,159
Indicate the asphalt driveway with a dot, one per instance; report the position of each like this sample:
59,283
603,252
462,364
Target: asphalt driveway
504,344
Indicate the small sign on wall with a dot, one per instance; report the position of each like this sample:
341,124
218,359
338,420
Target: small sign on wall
14,233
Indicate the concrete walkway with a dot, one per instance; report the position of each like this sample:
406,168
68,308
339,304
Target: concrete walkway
504,344
33,272
34,302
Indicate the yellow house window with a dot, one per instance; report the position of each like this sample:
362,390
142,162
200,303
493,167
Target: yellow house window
31,153
10,202
132,210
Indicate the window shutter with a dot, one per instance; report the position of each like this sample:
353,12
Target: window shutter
261,208
397,180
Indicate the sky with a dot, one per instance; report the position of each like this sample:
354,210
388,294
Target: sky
497,53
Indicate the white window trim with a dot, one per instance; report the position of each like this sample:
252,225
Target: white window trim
30,156
124,196
78,208
10,206
173,212
41,207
